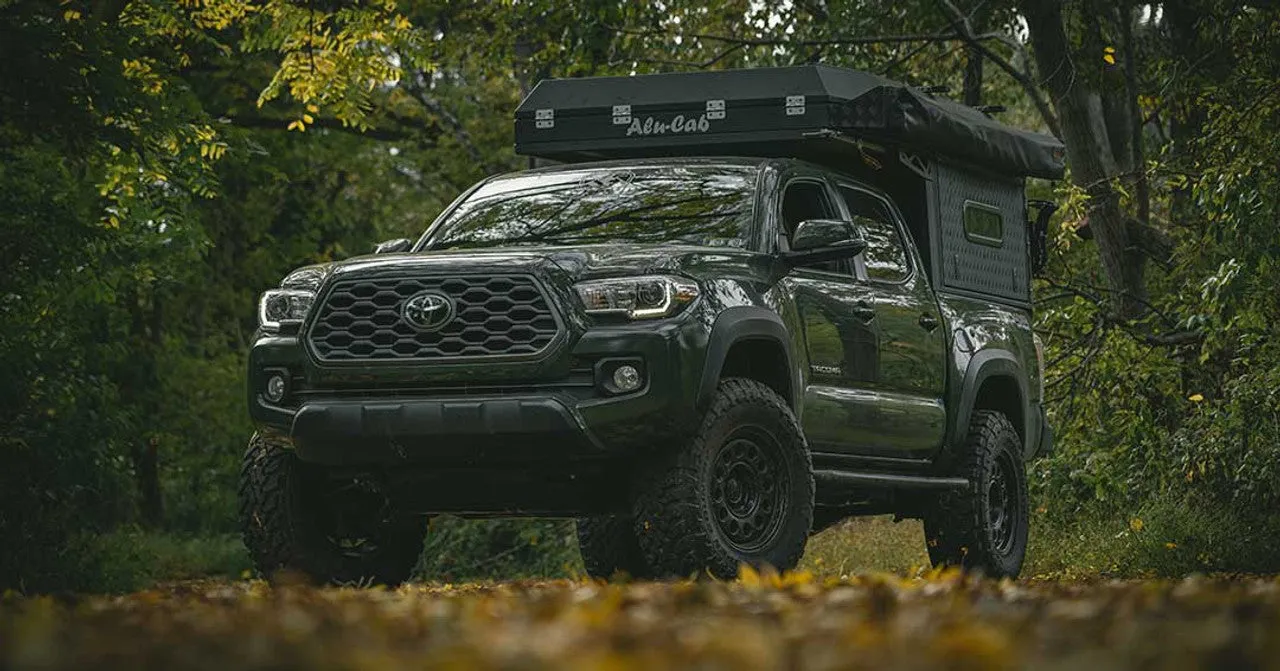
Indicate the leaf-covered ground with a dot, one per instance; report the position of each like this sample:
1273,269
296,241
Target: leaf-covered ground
794,622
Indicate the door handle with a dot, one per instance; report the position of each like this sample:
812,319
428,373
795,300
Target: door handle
928,322
864,311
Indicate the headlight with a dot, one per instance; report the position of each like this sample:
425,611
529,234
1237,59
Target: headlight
284,307
288,305
646,297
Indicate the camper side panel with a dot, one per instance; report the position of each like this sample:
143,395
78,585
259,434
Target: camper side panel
982,233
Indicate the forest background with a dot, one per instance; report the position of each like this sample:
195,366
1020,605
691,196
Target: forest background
164,161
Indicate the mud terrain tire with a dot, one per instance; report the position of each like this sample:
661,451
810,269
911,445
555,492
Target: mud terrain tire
741,492
608,546
983,527
284,524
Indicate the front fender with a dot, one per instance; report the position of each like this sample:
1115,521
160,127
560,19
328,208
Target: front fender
744,323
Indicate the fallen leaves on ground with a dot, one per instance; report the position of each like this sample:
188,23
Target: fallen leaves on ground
940,620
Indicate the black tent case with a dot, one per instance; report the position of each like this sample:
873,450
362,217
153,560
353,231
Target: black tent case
811,112
936,158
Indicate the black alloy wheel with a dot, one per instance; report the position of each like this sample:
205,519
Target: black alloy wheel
740,492
749,489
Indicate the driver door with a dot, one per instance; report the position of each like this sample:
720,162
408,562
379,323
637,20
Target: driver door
838,324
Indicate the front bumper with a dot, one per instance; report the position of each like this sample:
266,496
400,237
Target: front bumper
429,414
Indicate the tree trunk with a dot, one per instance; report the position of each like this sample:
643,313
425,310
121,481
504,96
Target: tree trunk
146,467
1076,101
973,77
1137,157
138,391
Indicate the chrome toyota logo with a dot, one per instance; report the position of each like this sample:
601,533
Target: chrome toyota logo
428,311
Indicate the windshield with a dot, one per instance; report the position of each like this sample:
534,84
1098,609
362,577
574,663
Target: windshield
691,205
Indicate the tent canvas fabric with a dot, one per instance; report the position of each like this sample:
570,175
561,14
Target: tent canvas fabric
812,111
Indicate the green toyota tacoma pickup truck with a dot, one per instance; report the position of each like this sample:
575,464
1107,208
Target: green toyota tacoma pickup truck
744,306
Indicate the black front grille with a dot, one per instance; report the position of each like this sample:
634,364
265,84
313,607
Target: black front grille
496,315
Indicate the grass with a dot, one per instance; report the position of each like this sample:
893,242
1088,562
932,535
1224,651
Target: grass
1164,539
131,558
865,545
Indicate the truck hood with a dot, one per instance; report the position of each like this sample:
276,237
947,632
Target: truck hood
572,264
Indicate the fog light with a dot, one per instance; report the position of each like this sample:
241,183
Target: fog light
275,389
626,378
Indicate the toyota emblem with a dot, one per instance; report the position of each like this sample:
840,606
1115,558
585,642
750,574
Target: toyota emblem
428,311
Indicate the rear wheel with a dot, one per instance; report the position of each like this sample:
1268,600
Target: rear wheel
296,520
984,526
609,547
740,493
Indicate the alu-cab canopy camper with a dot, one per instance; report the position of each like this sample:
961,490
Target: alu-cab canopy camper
957,175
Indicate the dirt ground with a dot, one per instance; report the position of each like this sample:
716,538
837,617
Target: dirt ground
935,620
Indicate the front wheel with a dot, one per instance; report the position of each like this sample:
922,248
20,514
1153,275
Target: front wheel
294,520
740,493
984,526
609,547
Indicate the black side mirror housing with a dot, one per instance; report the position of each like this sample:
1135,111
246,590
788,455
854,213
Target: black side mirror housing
820,240
393,246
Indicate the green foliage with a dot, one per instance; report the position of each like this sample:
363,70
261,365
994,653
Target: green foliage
1181,406
128,558
459,550
163,162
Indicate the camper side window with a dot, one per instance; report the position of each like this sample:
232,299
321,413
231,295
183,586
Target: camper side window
885,258
983,224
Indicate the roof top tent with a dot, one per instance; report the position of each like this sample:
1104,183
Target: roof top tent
957,174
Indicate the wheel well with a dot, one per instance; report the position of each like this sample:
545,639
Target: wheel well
762,360
1001,393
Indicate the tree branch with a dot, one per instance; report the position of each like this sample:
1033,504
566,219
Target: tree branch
833,41
725,53
270,123
419,91
960,24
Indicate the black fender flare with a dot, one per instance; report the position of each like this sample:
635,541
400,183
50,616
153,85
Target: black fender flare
735,325
983,366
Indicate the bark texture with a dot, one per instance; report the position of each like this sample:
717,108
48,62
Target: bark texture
1078,102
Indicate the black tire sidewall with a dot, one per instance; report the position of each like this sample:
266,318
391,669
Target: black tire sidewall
282,534
608,545
958,526
792,455
992,561
674,522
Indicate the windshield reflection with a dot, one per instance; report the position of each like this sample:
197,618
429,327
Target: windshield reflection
690,205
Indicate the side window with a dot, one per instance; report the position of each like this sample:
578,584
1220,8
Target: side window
983,224
886,257
808,200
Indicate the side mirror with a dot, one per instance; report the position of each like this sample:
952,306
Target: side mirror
820,240
393,246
